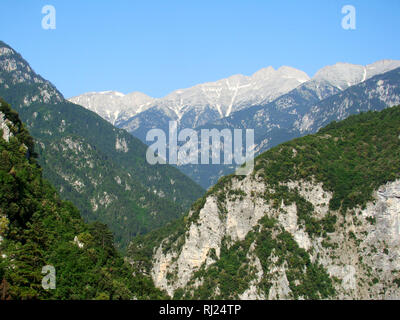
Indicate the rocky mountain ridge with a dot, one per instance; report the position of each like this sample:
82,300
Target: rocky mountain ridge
221,97
210,101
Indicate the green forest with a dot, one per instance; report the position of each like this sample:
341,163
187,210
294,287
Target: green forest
38,229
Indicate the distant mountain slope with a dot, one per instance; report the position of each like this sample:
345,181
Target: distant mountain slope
103,170
115,107
318,218
303,110
38,229
375,94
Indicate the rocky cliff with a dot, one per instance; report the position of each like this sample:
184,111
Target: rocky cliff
359,256
318,218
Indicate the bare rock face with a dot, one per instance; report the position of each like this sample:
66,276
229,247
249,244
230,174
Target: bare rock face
387,213
16,71
4,127
201,238
361,257
206,234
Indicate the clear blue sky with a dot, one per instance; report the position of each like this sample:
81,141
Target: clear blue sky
158,46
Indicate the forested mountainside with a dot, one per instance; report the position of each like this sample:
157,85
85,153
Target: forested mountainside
318,218
302,111
101,169
38,229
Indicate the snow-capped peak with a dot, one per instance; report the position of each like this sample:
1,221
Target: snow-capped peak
113,105
231,94
281,72
341,75
111,93
381,66
293,73
344,75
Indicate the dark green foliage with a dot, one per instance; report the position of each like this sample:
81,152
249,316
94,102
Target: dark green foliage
230,273
371,220
313,280
40,229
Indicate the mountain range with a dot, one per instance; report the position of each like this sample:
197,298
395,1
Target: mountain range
213,100
278,104
101,169
207,102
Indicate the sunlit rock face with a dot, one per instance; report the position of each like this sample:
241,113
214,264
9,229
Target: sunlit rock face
364,268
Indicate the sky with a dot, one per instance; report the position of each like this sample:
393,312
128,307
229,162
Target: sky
156,47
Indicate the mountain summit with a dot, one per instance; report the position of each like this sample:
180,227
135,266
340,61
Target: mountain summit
344,75
114,106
